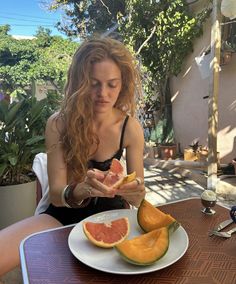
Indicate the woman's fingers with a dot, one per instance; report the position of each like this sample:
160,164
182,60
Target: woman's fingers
96,174
138,184
94,179
96,188
135,187
139,180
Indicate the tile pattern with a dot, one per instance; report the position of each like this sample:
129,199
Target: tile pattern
207,260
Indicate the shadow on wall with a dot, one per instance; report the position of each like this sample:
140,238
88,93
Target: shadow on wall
233,106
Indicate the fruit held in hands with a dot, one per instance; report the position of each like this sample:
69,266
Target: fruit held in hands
150,218
107,235
116,177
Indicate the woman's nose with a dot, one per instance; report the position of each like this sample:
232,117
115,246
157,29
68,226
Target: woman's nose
102,91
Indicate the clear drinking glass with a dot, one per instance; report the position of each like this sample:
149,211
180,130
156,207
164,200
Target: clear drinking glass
208,199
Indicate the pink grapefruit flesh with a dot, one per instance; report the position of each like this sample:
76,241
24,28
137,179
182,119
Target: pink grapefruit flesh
116,177
107,234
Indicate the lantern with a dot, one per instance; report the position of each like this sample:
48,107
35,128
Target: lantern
228,8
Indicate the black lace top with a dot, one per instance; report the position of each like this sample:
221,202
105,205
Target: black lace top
105,165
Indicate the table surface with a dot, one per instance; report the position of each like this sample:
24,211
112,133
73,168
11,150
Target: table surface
46,258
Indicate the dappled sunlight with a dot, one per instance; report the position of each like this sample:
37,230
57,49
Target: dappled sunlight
167,185
230,130
175,96
163,186
233,106
187,71
225,130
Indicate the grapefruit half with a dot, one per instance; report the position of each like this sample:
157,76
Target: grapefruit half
116,177
108,234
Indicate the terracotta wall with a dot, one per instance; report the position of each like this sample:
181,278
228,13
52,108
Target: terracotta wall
190,109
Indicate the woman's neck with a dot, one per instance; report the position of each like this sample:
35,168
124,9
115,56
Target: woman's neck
101,119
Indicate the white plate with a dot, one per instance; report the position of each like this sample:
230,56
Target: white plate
109,260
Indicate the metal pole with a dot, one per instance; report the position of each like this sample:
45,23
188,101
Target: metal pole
213,96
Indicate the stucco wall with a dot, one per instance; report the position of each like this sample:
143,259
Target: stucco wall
190,110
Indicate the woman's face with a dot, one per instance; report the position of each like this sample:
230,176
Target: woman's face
105,85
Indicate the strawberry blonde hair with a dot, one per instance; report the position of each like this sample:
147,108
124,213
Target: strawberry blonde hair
77,108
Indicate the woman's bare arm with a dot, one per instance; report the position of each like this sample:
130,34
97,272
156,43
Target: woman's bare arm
134,140
57,170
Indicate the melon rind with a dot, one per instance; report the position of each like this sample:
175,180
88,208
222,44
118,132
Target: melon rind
102,243
125,179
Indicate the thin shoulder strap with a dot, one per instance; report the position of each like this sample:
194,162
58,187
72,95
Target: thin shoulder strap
122,132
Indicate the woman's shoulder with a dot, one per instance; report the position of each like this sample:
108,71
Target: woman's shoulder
133,132
55,121
134,125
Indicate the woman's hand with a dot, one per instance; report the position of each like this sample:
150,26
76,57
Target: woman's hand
133,192
93,186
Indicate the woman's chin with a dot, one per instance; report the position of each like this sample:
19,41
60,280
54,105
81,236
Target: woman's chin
101,108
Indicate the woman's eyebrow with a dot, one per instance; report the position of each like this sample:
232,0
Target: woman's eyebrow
110,80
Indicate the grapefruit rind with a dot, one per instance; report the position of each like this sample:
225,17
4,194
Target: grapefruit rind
106,230
115,176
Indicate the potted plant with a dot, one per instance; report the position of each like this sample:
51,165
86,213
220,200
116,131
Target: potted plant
22,125
190,154
167,148
196,152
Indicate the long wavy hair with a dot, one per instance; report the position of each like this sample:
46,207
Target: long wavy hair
77,108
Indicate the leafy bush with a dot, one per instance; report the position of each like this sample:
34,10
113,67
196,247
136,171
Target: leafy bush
22,124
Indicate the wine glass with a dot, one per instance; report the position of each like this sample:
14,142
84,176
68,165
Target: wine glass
208,199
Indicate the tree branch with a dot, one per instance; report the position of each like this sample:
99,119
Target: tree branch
147,40
109,12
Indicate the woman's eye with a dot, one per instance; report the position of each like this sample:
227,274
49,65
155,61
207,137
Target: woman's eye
95,84
112,86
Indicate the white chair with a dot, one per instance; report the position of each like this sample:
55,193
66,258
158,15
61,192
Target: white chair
40,169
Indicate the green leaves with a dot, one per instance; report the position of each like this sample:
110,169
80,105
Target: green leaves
162,35
85,18
22,124
43,58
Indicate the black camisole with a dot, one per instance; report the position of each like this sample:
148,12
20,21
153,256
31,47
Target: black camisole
98,204
105,165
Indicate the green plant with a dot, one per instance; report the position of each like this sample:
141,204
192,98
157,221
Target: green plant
42,59
195,146
162,134
22,125
161,33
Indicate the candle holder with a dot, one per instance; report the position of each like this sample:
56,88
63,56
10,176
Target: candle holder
208,200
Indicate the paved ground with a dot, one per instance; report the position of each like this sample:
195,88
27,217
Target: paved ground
165,185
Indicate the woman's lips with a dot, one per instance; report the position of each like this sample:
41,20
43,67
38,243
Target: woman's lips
101,102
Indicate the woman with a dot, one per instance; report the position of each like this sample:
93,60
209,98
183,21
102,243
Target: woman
93,126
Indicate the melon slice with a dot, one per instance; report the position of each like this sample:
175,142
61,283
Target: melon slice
150,218
145,249
109,234
115,177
